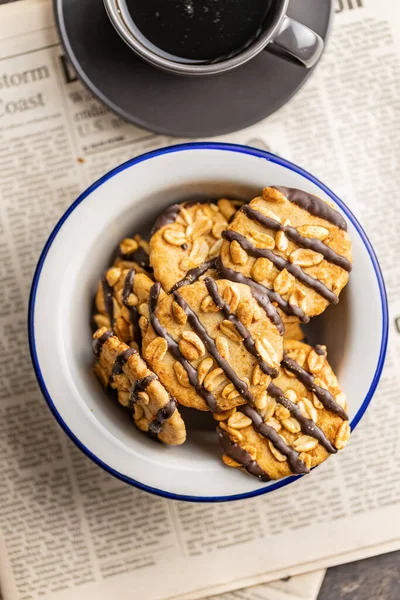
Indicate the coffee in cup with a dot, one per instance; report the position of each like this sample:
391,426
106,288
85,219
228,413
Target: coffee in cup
205,37
198,30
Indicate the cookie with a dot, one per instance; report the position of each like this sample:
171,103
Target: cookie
292,245
187,239
214,344
302,423
122,369
120,293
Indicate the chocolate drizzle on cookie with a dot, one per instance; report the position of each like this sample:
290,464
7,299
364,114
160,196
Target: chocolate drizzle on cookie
264,297
108,299
162,415
193,275
297,466
209,343
98,343
314,205
241,456
140,386
248,340
127,289
120,361
174,349
291,232
281,263
166,218
133,311
140,257
307,425
308,380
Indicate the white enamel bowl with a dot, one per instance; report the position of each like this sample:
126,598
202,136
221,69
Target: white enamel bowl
125,201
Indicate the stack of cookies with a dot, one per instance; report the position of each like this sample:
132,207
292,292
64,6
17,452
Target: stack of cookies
207,315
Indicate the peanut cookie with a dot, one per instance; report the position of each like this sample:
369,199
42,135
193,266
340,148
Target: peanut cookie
152,407
302,423
292,245
120,294
214,344
187,239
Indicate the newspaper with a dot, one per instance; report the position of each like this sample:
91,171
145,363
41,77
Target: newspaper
67,528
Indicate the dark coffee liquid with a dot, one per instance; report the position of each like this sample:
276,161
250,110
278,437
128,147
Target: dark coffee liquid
200,29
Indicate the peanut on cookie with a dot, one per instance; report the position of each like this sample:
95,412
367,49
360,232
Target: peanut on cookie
293,246
214,344
303,421
122,369
187,239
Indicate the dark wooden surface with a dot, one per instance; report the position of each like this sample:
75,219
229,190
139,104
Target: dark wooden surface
376,578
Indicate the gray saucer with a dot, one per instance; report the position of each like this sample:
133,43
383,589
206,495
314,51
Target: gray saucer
173,104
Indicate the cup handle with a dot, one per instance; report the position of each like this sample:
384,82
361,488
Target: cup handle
297,43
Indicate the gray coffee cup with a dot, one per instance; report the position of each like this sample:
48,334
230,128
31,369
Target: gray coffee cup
280,34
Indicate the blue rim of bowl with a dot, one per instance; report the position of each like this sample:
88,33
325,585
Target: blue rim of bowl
169,150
